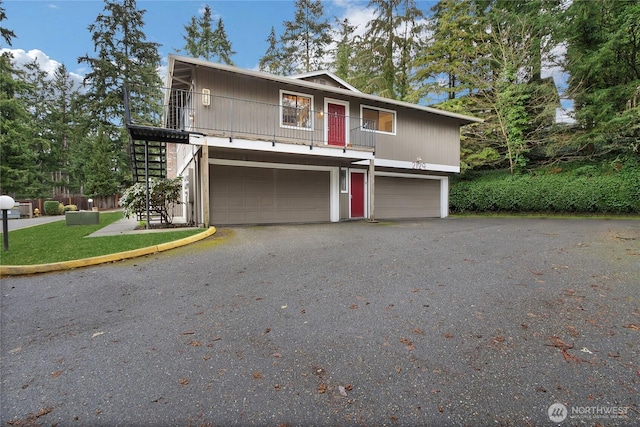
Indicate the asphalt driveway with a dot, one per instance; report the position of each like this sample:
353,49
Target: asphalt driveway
464,321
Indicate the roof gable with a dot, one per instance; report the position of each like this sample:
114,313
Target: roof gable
325,78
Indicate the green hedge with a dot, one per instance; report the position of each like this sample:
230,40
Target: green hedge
610,188
52,207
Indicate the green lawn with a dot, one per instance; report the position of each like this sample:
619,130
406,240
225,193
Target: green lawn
56,241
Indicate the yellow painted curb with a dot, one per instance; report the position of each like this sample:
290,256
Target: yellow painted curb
18,270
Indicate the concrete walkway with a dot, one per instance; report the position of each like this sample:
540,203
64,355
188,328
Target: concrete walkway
123,226
16,224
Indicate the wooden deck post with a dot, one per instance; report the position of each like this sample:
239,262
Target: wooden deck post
204,167
372,190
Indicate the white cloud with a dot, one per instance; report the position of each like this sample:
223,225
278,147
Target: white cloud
357,13
21,58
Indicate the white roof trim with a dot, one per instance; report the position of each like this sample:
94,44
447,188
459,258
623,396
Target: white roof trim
329,74
329,89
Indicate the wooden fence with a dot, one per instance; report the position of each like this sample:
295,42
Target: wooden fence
82,202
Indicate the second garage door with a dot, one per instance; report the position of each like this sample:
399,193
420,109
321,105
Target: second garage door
398,198
251,195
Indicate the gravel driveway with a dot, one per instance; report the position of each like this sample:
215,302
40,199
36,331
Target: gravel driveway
464,321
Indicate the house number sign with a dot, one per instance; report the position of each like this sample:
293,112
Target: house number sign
419,165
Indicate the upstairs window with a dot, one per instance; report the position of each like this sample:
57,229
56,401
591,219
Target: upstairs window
378,119
296,110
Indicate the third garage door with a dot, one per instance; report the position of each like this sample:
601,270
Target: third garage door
397,198
252,195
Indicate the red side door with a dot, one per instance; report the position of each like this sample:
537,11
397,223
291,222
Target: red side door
357,195
336,124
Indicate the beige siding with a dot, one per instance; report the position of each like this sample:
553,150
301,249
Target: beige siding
248,195
419,134
433,139
397,198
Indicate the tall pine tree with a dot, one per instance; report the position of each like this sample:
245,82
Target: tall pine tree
305,39
388,47
271,61
203,42
124,60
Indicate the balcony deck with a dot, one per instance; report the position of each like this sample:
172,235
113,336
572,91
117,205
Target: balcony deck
170,115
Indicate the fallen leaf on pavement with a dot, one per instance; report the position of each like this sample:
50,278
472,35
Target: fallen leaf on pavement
97,334
56,374
558,343
257,375
342,391
322,388
184,381
631,326
569,357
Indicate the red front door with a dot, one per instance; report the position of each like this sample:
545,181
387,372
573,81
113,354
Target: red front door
336,124
357,195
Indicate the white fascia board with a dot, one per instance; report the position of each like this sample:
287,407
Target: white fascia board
401,164
281,147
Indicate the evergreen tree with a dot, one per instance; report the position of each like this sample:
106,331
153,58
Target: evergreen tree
345,49
387,48
20,174
603,59
192,38
446,59
101,168
124,61
5,33
306,38
221,46
271,60
36,98
64,122
202,42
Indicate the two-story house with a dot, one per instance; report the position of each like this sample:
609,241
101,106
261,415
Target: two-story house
257,148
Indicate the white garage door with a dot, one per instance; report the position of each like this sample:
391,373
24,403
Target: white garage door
251,195
397,198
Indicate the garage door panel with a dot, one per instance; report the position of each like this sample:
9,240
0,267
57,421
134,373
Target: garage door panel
398,198
249,195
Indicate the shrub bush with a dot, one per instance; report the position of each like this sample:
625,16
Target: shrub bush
68,208
164,194
51,207
583,189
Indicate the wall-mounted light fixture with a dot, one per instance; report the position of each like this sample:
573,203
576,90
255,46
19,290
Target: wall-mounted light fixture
206,97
